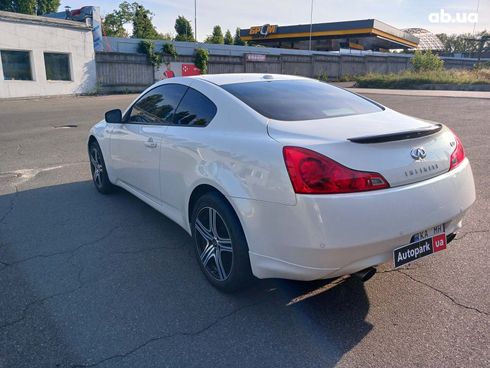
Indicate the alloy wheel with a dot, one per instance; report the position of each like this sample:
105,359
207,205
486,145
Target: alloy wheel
96,166
214,244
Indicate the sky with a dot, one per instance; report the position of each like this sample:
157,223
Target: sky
230,14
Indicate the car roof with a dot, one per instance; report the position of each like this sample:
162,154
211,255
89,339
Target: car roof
222,79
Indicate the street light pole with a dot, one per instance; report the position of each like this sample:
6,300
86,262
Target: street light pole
311,23
195,20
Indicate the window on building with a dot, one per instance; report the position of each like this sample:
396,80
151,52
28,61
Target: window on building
57,66
16,65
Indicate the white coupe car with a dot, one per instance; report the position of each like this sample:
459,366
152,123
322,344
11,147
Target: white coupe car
279,176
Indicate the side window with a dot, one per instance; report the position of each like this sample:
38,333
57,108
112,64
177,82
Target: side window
195,109
16,65
158,105
57,66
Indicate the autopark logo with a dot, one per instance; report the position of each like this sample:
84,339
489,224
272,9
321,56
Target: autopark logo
460,17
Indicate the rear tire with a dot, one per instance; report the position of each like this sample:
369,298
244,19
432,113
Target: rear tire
98,169
220,244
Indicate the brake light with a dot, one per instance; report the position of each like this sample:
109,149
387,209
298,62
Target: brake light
313,173
458,154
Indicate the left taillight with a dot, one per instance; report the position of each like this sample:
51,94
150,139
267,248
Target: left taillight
312,173
458,154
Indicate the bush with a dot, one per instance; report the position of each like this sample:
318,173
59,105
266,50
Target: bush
169,49
148,47
323,77
201,60
413,79
426,61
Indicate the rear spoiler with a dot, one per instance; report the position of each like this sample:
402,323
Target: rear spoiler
398,136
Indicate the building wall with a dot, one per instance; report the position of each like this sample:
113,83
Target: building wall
37,39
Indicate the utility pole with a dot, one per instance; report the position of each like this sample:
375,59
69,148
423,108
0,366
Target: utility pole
195,20
311,24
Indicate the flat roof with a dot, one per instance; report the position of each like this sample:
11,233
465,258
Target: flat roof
43,21
363,27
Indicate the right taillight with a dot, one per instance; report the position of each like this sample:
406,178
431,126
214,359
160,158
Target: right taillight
458,154
313,173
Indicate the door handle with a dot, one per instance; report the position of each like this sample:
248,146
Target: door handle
150,143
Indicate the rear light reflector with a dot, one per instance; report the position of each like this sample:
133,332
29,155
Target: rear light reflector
458,154
313,173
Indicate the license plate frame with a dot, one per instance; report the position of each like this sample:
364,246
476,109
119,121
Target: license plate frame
422,244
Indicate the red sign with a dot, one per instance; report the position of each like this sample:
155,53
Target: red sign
190,69
439,242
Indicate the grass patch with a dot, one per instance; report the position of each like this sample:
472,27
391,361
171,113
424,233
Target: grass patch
413,79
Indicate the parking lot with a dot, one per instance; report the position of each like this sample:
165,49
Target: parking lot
90,280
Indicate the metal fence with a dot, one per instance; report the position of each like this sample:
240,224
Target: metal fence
122,72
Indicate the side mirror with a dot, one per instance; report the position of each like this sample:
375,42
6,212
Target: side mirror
113,116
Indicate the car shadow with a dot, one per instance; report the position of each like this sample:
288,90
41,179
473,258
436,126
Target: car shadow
89,279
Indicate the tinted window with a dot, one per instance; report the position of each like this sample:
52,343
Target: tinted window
57,66
299,99
16,65
158,105
195,109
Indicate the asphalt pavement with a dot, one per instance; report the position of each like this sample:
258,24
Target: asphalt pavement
90,280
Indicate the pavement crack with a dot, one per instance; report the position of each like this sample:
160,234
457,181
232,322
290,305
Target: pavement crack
11,206
150,249
28,306
464,234
72,251
447,296
167,336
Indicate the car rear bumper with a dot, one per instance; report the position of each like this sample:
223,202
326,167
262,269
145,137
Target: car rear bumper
326,236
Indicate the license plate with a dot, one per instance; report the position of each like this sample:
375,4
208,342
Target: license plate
422,244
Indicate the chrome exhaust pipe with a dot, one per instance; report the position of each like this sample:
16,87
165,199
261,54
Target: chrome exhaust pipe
365,274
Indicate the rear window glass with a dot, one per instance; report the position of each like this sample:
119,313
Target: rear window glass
292,100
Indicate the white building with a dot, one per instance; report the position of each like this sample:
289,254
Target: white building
43,56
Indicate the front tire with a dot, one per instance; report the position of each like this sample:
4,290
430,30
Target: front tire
220,244
98,169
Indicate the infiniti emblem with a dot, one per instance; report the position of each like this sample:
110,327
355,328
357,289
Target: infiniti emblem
418,153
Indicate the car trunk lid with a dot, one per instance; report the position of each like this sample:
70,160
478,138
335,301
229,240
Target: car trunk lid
401,148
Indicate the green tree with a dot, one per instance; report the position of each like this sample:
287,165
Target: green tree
237,40
47,6
461,43
228,38
184,29
165,36
38,7
113,23
142,24
26,6
140,17
216,37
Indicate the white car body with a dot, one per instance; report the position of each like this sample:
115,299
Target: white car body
290,235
